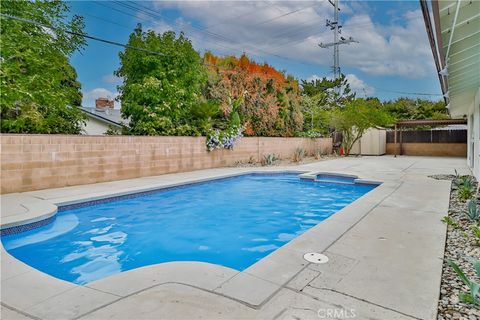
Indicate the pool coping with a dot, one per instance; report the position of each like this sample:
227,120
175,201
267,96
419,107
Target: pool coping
268,275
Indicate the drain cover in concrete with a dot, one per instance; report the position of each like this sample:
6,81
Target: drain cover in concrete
315,257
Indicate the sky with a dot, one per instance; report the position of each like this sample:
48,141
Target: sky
391,59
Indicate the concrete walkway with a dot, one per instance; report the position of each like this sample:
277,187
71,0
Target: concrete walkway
385,253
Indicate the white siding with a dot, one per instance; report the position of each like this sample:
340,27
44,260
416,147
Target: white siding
95,127
474,136
372,143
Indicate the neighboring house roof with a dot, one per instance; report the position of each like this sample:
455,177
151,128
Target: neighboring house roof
454,36
108,116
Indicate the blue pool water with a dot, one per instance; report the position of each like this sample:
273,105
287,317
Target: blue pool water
233,222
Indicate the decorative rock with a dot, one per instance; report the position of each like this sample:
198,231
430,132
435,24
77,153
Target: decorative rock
461,245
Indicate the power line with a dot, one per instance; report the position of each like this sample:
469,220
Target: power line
105,20
411,93
335,27
135,6
283,15
87,36
152,18
362,25
160,53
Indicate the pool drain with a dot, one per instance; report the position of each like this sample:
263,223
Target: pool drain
315,257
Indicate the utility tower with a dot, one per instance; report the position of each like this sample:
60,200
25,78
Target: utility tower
337,30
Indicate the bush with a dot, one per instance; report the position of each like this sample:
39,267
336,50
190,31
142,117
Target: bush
271,99
299,154
270,159
475,229
217,139
473,212
465,192
310,134
319,153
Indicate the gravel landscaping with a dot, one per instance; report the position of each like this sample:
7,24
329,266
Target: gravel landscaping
461,246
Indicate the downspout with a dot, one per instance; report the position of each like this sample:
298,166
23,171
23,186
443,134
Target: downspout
437,56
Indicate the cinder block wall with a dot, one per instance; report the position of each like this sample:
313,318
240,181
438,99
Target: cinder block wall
32,162
430,149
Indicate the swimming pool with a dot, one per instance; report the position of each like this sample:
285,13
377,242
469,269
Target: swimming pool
232,222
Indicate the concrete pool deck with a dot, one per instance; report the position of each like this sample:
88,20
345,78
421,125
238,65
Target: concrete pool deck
385,253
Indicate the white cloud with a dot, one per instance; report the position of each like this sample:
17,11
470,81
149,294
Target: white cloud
90,96
233,27
313,77
110,78
359,86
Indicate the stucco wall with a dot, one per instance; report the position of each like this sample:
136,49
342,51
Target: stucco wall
32,162
430,149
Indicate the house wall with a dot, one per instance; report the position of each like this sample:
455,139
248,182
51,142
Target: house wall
32,162
95,127
473,158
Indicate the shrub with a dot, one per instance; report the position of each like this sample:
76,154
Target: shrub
319,153
450,222
299,154
270,159
476,233
473,296
271,105
465,192
473,212
464,181
310,134
217,139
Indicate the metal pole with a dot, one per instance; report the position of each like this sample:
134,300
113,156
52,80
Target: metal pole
395,142
400,151
335,41
335,27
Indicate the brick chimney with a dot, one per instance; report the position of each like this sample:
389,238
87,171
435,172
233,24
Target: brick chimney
104,103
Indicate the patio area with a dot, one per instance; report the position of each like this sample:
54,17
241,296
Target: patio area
385,252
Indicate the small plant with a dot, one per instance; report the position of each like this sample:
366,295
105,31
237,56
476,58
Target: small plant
473,212
465,192
461,181
319,153
473,296
450,222
456,180
475,229
299,154
269,159
457,176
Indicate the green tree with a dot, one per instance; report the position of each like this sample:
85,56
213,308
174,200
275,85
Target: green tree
162,93
315,114
415,109
356,117
39,88
319,97
330,92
